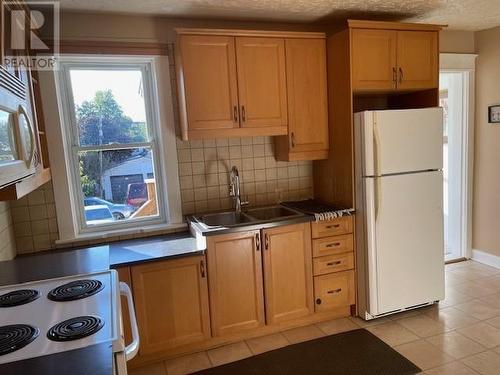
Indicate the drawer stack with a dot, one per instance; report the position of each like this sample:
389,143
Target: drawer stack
333,263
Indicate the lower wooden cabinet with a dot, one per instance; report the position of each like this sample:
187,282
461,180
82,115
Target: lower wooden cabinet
171,303
333,263
235,282
333,245
288,272
334,290
247,282
335,227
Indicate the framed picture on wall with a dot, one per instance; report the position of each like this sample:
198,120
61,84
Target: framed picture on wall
494,114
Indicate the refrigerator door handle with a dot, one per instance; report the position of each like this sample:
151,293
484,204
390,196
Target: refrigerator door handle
376,143
378,198
371,207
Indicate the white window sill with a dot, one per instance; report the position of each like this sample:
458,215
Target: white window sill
121,232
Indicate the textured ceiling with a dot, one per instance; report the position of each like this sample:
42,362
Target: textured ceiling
458,14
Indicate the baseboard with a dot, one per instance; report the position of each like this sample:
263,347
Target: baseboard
486,258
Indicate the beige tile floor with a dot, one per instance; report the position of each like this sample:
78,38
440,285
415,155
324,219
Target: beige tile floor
460,336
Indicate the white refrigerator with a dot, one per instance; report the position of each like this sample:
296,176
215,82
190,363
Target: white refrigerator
399,204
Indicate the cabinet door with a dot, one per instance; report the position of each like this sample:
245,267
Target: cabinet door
307,95
373,60
208,80
288,272
171,301
334,290
235,282
417,60
261,81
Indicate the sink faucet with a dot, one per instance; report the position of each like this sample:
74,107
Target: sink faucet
234,189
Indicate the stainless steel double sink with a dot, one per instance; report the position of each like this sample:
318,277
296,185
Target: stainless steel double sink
251,216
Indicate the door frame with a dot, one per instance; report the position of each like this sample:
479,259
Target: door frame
466,65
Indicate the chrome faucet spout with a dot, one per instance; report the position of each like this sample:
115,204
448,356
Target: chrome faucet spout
234,189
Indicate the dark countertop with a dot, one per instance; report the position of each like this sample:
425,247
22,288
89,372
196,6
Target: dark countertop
96,360
142,250
53,264
67,262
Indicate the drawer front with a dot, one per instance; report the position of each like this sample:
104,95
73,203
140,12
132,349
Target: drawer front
333,245
333,263
334,290
341,225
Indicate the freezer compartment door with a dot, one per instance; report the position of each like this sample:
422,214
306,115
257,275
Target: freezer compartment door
400,141
404,240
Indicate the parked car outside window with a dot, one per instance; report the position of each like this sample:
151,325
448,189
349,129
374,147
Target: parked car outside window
137,194
100,214
119,211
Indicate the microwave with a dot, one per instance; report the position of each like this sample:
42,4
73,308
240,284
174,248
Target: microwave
19,157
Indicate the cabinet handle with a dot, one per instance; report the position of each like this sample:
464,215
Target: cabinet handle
335,291
257,241
243,114
400,75
202,268
334,263
318,301
394,76
292,136
335,244
266,242
333,226
235,113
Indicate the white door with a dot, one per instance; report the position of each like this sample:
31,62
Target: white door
402,141
405,240
453,96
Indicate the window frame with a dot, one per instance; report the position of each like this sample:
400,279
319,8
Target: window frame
159,118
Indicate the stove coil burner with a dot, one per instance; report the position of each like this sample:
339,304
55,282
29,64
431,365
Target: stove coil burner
75,290
18,297
75,328
16,336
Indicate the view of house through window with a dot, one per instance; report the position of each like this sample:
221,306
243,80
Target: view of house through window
113,145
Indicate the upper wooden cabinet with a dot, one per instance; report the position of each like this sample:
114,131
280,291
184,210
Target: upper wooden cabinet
374,60
288,273
171,303
394,59
208,65
261,81
307,102
418,65
236,83
235,282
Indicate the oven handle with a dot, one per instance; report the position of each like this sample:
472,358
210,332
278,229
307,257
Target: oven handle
131,349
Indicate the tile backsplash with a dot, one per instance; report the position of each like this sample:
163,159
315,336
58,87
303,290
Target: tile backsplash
204,167
34,220
7,242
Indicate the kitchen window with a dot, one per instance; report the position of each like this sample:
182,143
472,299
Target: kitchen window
118,172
